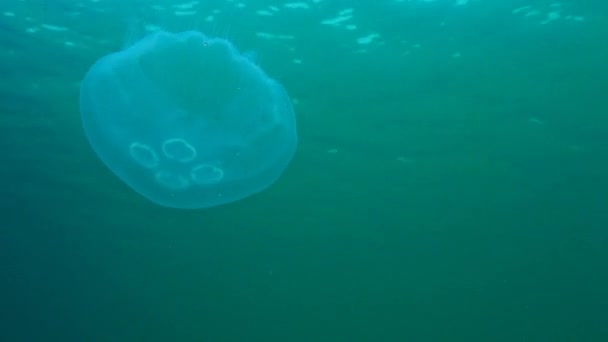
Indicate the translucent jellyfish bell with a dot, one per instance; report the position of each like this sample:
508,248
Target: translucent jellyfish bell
187,121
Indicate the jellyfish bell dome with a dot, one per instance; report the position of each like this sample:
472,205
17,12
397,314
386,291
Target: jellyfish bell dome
187,121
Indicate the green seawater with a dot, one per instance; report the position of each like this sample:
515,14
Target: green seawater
449,184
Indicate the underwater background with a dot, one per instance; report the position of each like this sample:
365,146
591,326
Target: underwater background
449,184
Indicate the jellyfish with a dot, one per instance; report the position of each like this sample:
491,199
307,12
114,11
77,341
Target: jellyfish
187,121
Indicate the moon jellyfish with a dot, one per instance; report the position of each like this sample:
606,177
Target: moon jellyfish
188,121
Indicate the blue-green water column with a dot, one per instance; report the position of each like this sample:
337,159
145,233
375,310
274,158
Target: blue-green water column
187,121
